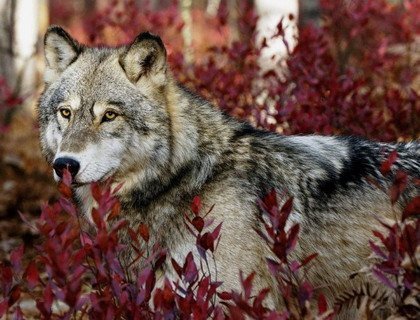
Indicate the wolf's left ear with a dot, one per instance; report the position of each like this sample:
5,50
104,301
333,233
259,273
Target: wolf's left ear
145,59
61,50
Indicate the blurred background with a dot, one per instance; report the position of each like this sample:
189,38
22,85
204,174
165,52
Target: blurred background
309,66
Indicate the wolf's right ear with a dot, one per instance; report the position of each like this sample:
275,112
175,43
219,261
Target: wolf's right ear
61,50
144,61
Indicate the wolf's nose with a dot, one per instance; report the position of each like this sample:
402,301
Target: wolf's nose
66,163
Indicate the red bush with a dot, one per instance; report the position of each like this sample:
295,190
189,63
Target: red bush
87,271
353,75
84,269
397,250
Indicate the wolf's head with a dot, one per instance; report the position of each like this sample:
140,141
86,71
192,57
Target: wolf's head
103,110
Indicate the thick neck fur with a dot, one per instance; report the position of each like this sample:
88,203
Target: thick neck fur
198,138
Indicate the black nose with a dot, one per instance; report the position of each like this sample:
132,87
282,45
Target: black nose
66,163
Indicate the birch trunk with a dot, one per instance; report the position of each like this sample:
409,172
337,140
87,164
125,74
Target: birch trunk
19,35
270,13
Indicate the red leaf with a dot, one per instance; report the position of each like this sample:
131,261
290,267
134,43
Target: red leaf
273,266
190,269
177,267
285,211
378,235
115,211
48,298
96,216
117,188
398,186
67,206
161,257
65,190
185,305
16,257
270,201
387,164
4,306
102,240
86,239
206,241
295,265
280,29
308,259
378,251
225,295
14,295
67,178
236,313
198,223
247,284
196,205
203,288
96,192
322,304
262,235
292,237
132,235
216,231
383,278
279,249
412,208
144,232
32,275
144,276
305,293
287,206
6,278
260,298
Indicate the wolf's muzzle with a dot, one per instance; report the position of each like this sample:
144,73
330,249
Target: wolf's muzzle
66,163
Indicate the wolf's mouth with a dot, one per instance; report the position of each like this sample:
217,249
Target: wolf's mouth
103,178
77,183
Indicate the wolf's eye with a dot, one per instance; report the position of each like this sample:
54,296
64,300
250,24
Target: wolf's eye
65,113
109,116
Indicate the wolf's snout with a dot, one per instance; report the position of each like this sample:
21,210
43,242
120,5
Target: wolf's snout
62,163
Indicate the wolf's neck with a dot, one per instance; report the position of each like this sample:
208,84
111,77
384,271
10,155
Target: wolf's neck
199,136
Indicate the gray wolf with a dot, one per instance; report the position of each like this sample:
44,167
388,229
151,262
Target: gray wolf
118,112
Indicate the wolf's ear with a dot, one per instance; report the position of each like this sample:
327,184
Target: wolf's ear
145,59
61,50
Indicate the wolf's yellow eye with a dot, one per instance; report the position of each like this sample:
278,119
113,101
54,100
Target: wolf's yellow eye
109,116
65,113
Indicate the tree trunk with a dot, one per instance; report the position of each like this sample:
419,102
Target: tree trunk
187,32
7,16
270,14
19,34
20,22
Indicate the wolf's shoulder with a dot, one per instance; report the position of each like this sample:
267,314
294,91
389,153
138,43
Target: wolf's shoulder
340,146
344,159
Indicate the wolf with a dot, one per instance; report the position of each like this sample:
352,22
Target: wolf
119,113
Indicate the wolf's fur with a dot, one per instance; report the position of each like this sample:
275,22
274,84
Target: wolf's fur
168,145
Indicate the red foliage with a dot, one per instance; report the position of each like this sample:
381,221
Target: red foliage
355,74
296,291
86,271
397,250
89,273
